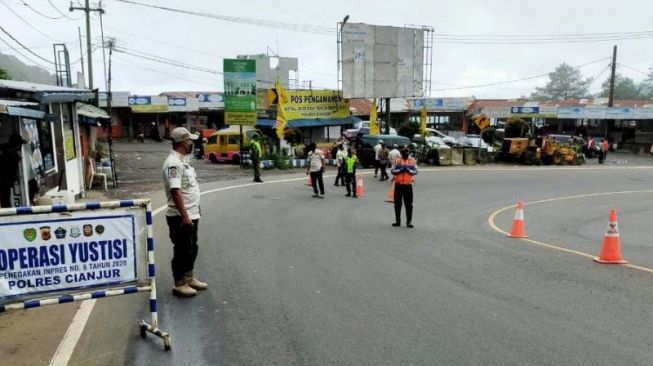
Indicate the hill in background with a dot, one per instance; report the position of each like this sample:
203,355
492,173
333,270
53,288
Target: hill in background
17,70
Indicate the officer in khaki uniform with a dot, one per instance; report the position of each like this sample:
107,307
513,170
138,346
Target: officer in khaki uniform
183,193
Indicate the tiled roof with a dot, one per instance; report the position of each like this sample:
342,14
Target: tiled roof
360,107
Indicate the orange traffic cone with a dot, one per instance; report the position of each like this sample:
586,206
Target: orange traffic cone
360,192
611,251
518,223
309,182
391,193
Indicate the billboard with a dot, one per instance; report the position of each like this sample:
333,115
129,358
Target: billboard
240,92
381,61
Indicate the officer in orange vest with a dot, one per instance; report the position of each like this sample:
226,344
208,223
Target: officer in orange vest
404,173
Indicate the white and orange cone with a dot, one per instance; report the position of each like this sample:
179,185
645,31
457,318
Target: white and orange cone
518,230
391,193
611,250
360,192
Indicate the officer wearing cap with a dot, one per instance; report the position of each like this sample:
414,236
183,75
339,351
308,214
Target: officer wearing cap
404,172
183,193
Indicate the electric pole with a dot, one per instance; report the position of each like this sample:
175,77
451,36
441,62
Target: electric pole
612,76
87,9
610,123
111,44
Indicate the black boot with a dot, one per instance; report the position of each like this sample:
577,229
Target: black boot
409,216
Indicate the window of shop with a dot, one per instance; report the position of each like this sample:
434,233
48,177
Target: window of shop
65,112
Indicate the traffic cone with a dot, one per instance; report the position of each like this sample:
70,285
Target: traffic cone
391,193
518,223
360,192
309,182
611,251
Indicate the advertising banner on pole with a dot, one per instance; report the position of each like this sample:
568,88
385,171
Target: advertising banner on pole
240,92
50,253
148,104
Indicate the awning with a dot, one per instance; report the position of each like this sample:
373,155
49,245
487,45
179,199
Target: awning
90,111
20,109
307,123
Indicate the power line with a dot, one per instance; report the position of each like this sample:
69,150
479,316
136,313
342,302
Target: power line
38,12
633,69
63,14
25,57
164,73
22,45
25,21
515,80
251,21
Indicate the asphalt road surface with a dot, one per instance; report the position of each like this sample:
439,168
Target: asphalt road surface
296,280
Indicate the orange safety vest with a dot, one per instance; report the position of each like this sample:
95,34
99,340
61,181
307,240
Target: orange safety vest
404,177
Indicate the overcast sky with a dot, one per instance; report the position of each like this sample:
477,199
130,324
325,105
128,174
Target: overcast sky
203,42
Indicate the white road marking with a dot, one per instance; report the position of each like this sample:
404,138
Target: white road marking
74,332
558,247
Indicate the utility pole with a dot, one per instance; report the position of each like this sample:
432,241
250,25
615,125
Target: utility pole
610,123
111,43
612,76
87,8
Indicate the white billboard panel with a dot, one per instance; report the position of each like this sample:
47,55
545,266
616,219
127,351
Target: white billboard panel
381,61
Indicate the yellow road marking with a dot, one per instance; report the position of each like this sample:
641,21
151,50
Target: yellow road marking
557,247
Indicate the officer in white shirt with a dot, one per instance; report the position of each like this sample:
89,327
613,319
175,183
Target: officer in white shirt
377,150
183,193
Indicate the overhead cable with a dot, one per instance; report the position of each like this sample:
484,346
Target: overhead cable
25,47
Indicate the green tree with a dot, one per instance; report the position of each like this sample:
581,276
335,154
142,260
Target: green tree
624,88
4,75
646,86
564,82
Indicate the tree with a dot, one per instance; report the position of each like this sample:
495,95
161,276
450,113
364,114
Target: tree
646,86
564,82
4,75
624,88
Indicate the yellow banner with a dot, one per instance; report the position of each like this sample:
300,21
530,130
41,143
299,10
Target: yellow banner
240,118
69,145
311,104
149,108
282,99
374,123
422,118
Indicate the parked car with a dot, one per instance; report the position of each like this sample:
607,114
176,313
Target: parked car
365,152
449,140
475,141
355,135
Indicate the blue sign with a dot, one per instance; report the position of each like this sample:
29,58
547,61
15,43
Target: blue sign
177,102
525,110
136,100
620,113
429,103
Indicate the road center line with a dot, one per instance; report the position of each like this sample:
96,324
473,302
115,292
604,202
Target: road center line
492,217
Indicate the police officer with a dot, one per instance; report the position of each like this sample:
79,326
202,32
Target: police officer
350,161
256,154
404,172
183,193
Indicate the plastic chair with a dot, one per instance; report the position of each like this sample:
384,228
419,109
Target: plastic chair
94,174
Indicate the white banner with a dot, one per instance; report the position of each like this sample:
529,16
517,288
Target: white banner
51,252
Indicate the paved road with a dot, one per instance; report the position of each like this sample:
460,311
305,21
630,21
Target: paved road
302,281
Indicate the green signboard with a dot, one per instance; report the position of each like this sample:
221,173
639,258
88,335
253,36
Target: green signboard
240,92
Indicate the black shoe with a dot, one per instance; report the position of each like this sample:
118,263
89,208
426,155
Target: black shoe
395,224
348,195
410,226
355,196
316,195
337,185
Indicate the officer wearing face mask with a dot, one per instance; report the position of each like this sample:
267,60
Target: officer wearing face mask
183,193
404,171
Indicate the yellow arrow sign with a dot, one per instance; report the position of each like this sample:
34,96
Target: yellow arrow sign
482,121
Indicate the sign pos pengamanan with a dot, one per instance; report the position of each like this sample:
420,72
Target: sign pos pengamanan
51,254
239,92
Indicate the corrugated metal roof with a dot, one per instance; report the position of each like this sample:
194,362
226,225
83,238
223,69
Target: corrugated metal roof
34,87
360,107
186,94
